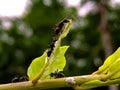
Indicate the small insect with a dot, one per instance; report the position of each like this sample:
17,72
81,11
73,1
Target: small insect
60,26
55,39
23,78
49,52
57,31
15,79
19,79
52,45
57,74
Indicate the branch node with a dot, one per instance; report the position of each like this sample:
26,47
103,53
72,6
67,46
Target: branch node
70,81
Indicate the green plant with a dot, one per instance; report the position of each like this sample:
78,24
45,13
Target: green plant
53,59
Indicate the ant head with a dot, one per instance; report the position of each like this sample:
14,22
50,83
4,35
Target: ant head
65,20
52,74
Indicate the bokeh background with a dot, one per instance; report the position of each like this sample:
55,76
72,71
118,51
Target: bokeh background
94,35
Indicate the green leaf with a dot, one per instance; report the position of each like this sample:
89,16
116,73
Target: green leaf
67,29
111,64
92,84
115,67
36,66
58,63
41,67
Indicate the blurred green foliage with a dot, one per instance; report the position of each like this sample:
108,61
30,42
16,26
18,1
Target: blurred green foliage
26,38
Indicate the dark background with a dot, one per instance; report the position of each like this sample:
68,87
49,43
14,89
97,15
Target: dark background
92,38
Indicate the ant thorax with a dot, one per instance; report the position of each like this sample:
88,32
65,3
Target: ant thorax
57,74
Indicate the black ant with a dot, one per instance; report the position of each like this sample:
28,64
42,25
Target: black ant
49,52
52,45
15,79
60,26
19,79
57,74
23,78
57,31
55,39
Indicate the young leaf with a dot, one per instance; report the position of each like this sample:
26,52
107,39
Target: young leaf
111,64
92,84
41,67
36,66
58,63
113,68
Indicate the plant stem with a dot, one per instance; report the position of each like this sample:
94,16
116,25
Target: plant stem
52,56
35,80
57,83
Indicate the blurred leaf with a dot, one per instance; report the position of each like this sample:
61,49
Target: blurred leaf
92,84
115,66
111,64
